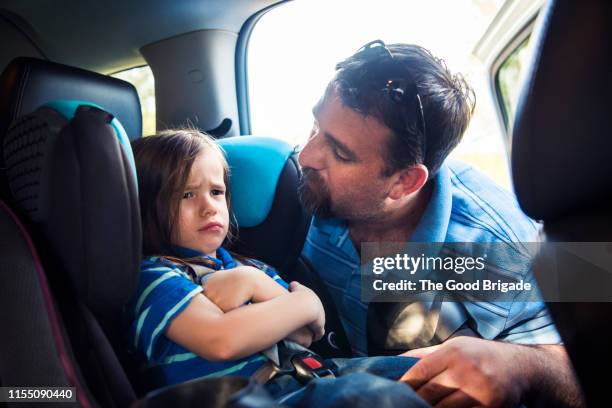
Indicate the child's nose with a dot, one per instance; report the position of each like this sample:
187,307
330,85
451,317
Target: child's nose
207,208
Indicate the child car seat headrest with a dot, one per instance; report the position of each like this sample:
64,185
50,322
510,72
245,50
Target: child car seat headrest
264,177
28,83
71,173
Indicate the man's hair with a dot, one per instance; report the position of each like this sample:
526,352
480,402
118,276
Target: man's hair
447,100
163,165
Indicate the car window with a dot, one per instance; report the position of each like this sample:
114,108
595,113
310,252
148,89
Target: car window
142,79
508,81
294,47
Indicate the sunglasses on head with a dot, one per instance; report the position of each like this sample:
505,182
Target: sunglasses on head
399,86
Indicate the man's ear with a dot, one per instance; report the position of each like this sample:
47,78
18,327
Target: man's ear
408,181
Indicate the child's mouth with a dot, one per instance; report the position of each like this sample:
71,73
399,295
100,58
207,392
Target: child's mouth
213,227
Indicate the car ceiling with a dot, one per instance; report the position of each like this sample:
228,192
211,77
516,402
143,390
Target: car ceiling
106,36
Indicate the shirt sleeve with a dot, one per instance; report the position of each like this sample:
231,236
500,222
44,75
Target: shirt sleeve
525,319
529,321
163,293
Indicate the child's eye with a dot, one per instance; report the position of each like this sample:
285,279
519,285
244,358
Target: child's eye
217,192
188,194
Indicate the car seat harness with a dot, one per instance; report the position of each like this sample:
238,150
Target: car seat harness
287,357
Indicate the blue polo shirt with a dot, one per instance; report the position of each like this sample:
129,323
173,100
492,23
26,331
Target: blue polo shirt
164,290
465,206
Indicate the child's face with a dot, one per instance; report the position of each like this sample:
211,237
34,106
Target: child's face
203,214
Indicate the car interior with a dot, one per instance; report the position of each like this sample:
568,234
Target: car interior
70,233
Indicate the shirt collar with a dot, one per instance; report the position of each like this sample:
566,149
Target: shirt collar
224,259
433,225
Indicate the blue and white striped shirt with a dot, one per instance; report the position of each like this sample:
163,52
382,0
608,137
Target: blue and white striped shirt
164,291
465,206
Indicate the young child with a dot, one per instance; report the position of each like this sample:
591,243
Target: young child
201,311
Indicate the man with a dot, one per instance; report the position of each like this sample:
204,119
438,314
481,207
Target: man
374,171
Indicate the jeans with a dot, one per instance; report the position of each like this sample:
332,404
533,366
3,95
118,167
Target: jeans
360,382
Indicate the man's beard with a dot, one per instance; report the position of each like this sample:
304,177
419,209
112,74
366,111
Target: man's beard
316,198
314,194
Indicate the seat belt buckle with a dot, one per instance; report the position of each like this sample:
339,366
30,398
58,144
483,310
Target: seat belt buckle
309,366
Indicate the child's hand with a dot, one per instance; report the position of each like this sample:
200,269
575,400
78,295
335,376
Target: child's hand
265,288
302,336
231,288
317,327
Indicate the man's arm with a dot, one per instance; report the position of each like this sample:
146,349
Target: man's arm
557,385
467,371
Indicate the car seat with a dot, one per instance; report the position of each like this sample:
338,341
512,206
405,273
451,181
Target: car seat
65,271
561,165
72,189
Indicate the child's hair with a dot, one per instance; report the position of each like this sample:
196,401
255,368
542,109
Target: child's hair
163,165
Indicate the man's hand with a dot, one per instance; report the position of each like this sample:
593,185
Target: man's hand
467,371
317,327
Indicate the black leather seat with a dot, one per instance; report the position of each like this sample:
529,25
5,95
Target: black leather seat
562,169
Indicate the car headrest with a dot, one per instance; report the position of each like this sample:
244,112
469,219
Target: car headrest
71,174
561,149
264,176
28,83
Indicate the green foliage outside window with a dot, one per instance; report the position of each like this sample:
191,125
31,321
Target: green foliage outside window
509,81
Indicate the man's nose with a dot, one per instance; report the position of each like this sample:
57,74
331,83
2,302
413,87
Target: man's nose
311,155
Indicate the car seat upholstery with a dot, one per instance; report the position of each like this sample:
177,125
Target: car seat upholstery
27,83
74,184
73,206
263,186
561,168
33,342
74,180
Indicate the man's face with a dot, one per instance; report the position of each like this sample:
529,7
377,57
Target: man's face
343,163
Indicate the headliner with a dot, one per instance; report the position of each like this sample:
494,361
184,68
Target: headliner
107,36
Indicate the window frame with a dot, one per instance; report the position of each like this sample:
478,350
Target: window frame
241,64
142,118
516,41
